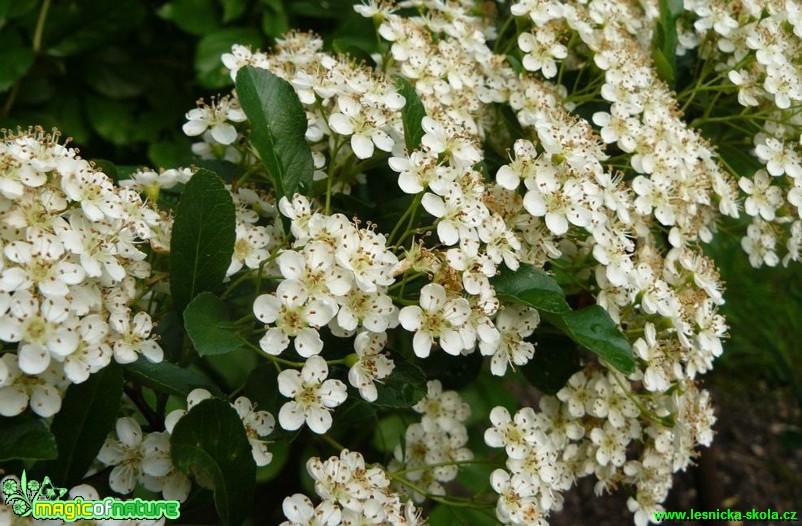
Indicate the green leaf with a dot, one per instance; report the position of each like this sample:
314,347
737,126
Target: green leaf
405,386
555,361
207,324
454,372
530,286
198,17
167,377
444,515
87,414
595,330
233,9
262,389
203,238
278,124
739,160
17,59
664,40
78,26
389,433
412,114
210,443
26,437
274,20
209,71
114,120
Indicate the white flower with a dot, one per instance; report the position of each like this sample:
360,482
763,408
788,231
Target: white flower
371,365
363,124
17,390
133,337
764,199
437,317
313,398
294,314
515,323
215,117
515,436
300,511
258,425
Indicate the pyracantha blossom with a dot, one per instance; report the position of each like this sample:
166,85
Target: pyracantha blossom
313,396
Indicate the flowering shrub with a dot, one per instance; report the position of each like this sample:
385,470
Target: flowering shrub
455,276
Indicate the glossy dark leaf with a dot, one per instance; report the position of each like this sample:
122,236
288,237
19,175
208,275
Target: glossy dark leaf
207,324
405,386
595,330
203,238
555,361
210,443
412,114
167,377
87,414
530,286
26,437
278,124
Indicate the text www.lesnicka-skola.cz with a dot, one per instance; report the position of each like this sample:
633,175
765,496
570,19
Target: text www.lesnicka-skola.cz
728,515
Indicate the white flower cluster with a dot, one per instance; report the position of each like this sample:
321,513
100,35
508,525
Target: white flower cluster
258,229
756,44
349,109
587,429
71,263
144,458
440,440
352,493
258,424
632,240
213,122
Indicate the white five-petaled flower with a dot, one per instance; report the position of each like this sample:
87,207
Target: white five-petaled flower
437,317
313,396
258,425
134,455
513,435
214,117
363,125
294,313
371,365
133,337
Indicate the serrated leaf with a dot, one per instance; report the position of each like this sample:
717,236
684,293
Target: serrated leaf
278,128
405,386
203,238
167,377
554,362
210,442
595,330
26,437
87,414
412,114
530,286
207,324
